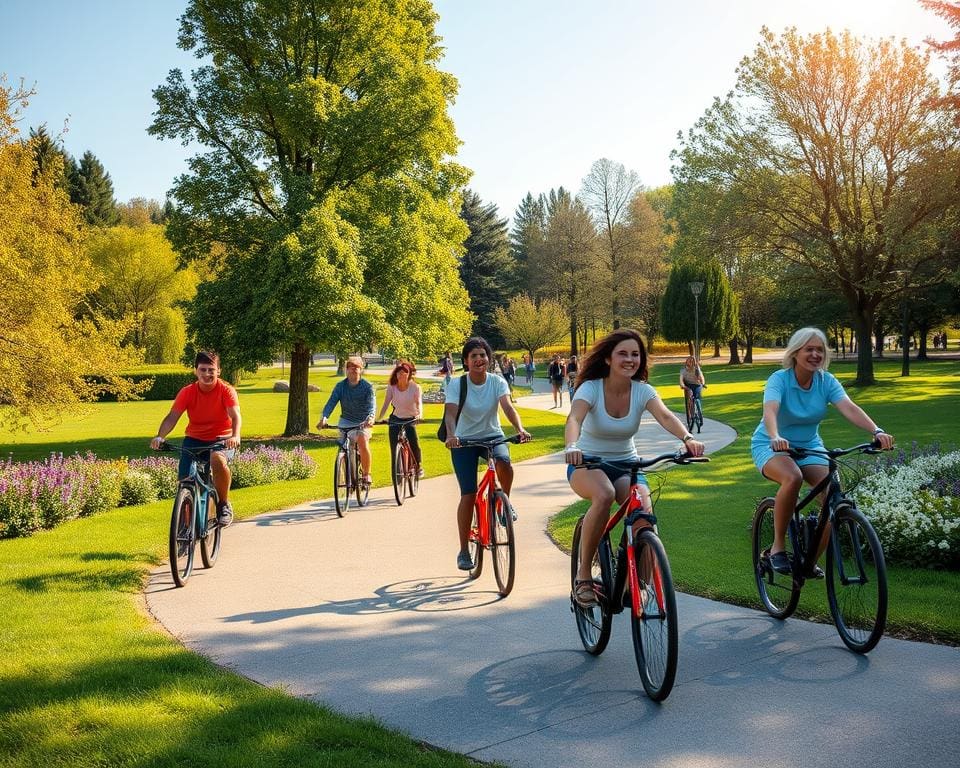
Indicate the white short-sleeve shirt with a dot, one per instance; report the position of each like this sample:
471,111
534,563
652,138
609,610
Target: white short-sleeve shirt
479,417
603,436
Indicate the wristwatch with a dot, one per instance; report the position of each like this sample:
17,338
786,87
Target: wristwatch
879,431
687,437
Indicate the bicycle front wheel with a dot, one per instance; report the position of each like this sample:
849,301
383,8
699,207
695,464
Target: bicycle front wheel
413,474
779,593
502,541
213,531
856,580
183,539
698,414
593,622
341,483
399,473
689,412
474,547
363,489
655,635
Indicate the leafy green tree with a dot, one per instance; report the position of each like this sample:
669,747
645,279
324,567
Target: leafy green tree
531,325
92,189
139,212
950,49
486,267
304,108
714,313
141,283
829,153
49,340
644,284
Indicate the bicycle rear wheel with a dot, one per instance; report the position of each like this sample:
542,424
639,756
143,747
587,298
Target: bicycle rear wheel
413,476
183,539
212,537
399,473
593,622
779,593
502,541
856,580
474,547
341,483
655,635
688,408
698,414
363,489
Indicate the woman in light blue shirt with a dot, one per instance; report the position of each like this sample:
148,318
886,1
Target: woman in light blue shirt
795,401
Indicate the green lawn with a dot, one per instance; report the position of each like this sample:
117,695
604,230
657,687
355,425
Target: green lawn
706,510
87,679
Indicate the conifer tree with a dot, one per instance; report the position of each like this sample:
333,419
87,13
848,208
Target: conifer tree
92,189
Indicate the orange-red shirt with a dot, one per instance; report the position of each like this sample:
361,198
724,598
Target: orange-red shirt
207,411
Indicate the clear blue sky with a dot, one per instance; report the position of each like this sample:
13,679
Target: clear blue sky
546,86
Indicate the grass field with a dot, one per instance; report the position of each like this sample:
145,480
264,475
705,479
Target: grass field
705,511
87,679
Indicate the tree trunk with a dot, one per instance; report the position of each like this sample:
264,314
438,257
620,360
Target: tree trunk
734,352
924,332
573,334
878,334
716,348
748,357
298,411
864,348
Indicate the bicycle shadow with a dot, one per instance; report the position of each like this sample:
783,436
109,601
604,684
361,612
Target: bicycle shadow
315,511
753,650
427,595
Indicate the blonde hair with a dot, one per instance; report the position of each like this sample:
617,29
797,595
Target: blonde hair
799,340
355,360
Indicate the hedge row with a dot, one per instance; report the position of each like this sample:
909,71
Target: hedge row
163,386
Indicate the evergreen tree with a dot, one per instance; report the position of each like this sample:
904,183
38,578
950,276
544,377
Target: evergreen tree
486,267
529,225
92,189
714,313
48,156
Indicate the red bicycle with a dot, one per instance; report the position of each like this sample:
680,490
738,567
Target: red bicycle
639,578
492,524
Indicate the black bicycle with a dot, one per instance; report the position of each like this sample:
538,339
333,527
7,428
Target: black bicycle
856,572
694,410
194,515
639,578
347,477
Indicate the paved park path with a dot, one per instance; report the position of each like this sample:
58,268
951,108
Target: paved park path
368,615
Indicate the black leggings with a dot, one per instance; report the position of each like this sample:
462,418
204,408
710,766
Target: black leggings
393,430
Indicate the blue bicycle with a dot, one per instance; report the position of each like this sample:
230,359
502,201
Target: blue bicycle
194,516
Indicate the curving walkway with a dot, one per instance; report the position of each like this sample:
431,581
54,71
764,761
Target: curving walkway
368,615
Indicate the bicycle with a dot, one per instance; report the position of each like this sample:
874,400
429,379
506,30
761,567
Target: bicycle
856,570
639,579
406,468
346,472
694,410
492,524
195,493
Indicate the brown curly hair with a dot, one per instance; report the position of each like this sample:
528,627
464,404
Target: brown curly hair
595,365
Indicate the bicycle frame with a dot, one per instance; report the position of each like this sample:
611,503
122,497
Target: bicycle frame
348,445
198,483
487,486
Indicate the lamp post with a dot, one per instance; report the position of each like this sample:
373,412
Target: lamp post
696,289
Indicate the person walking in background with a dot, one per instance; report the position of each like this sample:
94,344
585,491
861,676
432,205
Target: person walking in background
571,375
407,399
510,374
213,416
556,373
446,368
530,368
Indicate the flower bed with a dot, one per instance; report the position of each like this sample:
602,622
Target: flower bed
42,494
913,501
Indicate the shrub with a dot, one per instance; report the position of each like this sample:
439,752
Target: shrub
162,471
912,500
137,487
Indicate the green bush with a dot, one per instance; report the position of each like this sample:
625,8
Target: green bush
164,384
137,487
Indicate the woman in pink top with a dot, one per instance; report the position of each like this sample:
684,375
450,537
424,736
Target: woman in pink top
407,400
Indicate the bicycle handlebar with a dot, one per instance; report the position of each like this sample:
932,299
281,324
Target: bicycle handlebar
490,443
873,446
677,457
169,447
399,423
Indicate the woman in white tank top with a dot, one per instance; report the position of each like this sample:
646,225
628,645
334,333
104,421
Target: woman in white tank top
610,397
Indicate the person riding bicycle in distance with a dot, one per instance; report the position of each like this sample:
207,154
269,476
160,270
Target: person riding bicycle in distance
407,399
358,404
795,401
479,420
691,378
213,415
610,397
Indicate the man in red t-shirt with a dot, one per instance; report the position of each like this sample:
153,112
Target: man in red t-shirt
213,415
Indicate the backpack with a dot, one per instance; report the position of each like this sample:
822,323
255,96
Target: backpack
442,431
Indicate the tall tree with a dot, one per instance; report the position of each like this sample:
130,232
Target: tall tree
304,107
950,49
530,324
651,240
712,315
92,189
486,266
829,153
529,224
50,341
607,192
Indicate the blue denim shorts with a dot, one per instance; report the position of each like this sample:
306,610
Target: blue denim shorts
613,470
192,444
465,461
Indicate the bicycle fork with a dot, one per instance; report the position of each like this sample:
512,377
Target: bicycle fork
636,605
